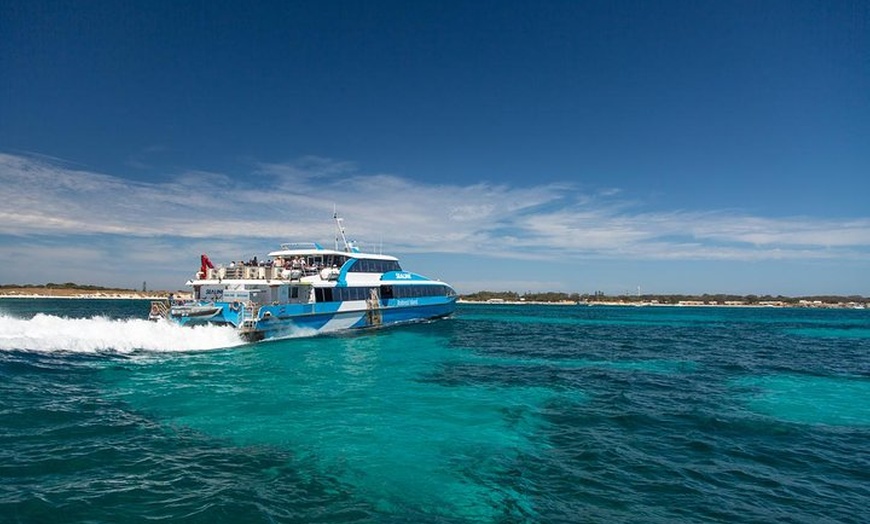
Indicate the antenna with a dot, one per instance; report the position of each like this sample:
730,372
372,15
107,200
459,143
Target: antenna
340,229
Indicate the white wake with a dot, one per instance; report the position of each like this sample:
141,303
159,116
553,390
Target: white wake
49,333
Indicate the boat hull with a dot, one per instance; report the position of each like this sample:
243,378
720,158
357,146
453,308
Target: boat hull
316,323
290,320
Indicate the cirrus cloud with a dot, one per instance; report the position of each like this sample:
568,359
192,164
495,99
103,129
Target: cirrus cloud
280,201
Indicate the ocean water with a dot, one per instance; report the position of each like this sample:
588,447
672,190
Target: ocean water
500,414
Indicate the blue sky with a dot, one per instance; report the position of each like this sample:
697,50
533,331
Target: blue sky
684,147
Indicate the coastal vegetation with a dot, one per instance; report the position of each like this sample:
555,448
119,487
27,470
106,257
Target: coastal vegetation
71,289
663,299
548,297
65,285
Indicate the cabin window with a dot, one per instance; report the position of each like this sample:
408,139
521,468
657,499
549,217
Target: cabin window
422,290
323,294
341,294
365,265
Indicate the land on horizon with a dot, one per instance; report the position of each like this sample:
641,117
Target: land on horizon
719,299
73,290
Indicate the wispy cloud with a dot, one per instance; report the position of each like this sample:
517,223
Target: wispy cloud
294,200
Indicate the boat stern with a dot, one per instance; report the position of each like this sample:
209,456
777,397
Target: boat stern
220,313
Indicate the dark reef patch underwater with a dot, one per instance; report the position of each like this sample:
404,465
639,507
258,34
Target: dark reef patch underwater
499,414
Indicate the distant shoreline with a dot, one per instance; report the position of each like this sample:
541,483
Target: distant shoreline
128,294
686,303
80,297
73,293
626,304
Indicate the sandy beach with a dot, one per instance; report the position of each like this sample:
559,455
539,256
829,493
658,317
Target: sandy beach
127,294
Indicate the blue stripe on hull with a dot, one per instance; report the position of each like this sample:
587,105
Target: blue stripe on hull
412,313
313,323
305,324
305,319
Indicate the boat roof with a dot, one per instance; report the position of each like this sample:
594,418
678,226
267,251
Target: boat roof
296,249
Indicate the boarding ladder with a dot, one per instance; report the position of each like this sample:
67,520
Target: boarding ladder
373,308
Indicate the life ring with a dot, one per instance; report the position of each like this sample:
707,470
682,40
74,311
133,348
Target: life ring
235,306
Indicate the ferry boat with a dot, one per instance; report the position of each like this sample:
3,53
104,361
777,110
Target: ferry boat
306,288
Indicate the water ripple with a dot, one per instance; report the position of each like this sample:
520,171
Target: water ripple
502,414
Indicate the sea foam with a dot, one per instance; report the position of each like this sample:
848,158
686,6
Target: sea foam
49,333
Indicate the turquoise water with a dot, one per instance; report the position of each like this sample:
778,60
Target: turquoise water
499,414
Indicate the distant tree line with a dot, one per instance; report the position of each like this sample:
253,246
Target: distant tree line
510,296
65,285
554,296
598,296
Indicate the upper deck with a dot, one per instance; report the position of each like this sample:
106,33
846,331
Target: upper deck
311,263
305,264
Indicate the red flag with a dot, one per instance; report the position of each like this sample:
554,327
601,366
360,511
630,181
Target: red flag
205,264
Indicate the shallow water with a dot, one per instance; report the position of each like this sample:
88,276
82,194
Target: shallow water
499,414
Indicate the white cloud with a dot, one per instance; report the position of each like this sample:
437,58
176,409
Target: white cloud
294,201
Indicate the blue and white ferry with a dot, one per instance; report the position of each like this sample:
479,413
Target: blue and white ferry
306,288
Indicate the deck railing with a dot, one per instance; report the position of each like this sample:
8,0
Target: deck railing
244,272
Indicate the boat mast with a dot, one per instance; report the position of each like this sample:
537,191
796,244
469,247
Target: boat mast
340,228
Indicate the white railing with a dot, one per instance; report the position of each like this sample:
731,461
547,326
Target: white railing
244,272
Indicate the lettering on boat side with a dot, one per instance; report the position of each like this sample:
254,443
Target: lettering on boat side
212,293
403,276
407,302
